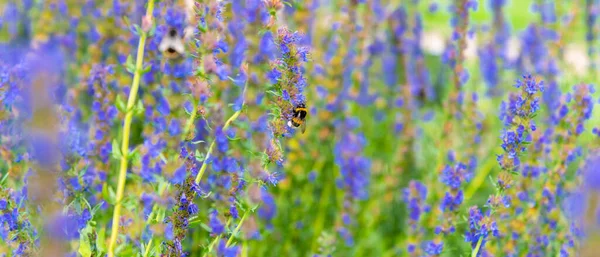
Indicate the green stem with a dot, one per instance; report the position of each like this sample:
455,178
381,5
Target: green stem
203,168
235,231
212,145
212,244
148,222
148,248
155,212
210,247
126,131
476,250
190,122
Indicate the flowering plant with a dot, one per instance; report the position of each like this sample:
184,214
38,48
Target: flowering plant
293,128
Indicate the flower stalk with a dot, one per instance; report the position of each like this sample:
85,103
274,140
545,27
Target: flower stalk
126,131
237,229
212,144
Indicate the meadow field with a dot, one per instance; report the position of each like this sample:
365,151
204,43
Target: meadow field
299,128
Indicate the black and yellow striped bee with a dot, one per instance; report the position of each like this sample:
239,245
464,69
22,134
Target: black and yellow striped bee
299,117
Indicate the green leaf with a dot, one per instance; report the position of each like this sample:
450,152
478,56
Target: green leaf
273,93
121,104
112,195
194,221
205,227
240,205
492,180
108,194
142,249
200,157
162,185
105,194
152,30
81,172
134,155
137,29
126,20
129,203
163,158
202,27
84,242
146,69
4,178
139,108
116,152
129,64
95,209
77,206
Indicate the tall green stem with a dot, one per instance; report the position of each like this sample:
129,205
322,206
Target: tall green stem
126,131
190,122
212,144
212,244
477,247
237,229
148,248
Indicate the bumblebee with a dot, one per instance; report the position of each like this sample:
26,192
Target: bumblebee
299,117
172,45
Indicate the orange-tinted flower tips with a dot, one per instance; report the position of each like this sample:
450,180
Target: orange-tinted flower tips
244,68
209,39
274,151
273,5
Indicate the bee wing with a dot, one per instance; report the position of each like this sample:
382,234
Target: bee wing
164,44
178,45
171,42
303,127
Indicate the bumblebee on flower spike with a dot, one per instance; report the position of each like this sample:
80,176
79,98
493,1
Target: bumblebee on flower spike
299,117
287,77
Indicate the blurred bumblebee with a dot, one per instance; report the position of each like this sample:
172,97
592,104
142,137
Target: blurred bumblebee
172,45
299,117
